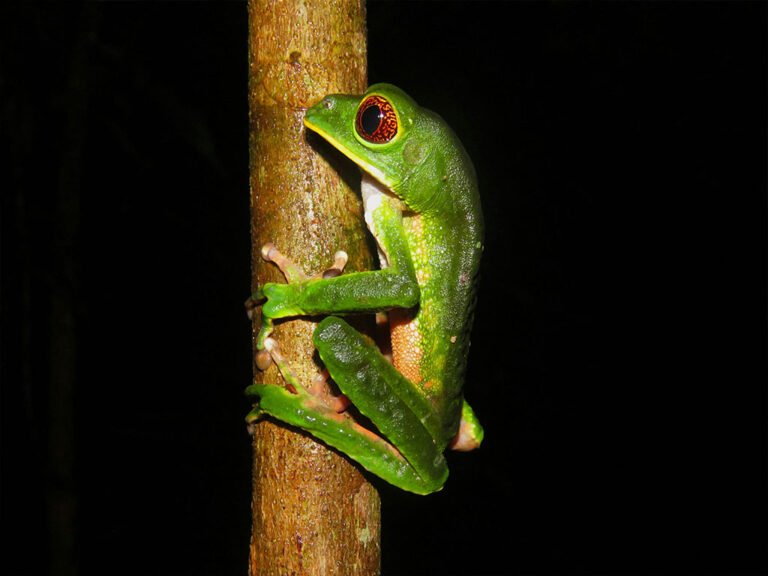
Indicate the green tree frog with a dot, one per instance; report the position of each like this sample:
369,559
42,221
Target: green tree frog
422,206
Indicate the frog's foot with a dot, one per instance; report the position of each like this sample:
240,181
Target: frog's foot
470,434
251,304
272,351
318,388
293,272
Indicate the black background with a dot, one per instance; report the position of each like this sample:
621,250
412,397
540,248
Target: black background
619,353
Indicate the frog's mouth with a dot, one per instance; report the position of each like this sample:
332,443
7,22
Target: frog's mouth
364,165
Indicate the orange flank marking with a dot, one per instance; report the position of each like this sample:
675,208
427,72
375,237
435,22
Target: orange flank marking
406,344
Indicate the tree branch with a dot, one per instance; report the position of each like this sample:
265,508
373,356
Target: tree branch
313,511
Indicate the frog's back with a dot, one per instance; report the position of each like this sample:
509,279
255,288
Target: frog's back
430,345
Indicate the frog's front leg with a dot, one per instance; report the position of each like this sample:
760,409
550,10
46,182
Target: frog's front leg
295,276
394,286
406,454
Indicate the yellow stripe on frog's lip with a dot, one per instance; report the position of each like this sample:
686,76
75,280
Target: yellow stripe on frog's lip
372,170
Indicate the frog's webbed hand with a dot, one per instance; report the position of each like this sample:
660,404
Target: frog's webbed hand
278,300
293,272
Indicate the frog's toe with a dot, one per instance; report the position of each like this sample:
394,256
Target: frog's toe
337,268
291,271
320,389
263,360
264,356
256,300
267,250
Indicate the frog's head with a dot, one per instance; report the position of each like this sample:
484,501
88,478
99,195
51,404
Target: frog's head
383,131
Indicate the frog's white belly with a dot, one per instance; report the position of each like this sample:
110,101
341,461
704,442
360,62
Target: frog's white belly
373,193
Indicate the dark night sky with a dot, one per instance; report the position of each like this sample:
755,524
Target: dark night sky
619,353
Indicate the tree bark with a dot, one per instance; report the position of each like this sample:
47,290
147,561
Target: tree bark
313,510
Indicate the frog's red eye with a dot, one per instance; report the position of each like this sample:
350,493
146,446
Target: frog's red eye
376,120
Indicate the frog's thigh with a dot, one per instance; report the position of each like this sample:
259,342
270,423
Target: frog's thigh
360,370
382,394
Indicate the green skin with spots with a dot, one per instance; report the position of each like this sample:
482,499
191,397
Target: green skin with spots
425,215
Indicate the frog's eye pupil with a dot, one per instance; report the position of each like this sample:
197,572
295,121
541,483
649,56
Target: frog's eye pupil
370,119
376,120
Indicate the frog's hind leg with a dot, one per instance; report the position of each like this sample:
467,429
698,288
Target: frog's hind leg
384,396
406,455
296,405
338,430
